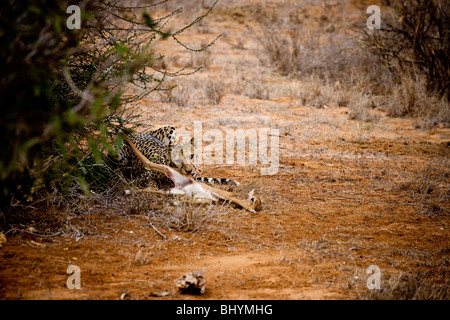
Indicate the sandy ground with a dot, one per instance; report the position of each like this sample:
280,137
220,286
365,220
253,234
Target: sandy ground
339,203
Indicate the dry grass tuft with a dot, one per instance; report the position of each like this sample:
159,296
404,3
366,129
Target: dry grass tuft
187,216
142,257
179,95
429,187
417,286
427,180
200,59
360,109
252,86
411,98
214,90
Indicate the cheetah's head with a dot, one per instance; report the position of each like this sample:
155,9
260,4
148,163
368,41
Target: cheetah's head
183,157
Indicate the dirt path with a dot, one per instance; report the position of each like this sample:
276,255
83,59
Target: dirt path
345,197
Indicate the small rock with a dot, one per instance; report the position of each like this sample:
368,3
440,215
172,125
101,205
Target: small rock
160,294
125,296
191,283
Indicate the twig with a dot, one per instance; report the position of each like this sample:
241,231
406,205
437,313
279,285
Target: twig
158,232
34,234
195,20
133,7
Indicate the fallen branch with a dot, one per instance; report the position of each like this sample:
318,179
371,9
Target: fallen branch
158,232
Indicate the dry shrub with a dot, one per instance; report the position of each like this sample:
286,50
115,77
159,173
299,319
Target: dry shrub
344,98
414,35
179,95
417,286
413,43
257,89
328,60
411,98
315,92
430,185
214,90
427,179
142,257
200,59
328,52
187,216
360,109
332,53
72,217
252,86
297,52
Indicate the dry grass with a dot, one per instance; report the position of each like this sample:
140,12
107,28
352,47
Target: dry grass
187,5
427,180
186,216
202,59
417,286
410,98
252,86
360,109
339,70
428,187
257,89
332,67
316,93
72,215
179,95
214,90
327,51
142,257
363,132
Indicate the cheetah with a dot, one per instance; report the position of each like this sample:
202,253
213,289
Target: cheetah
158,146
186,185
